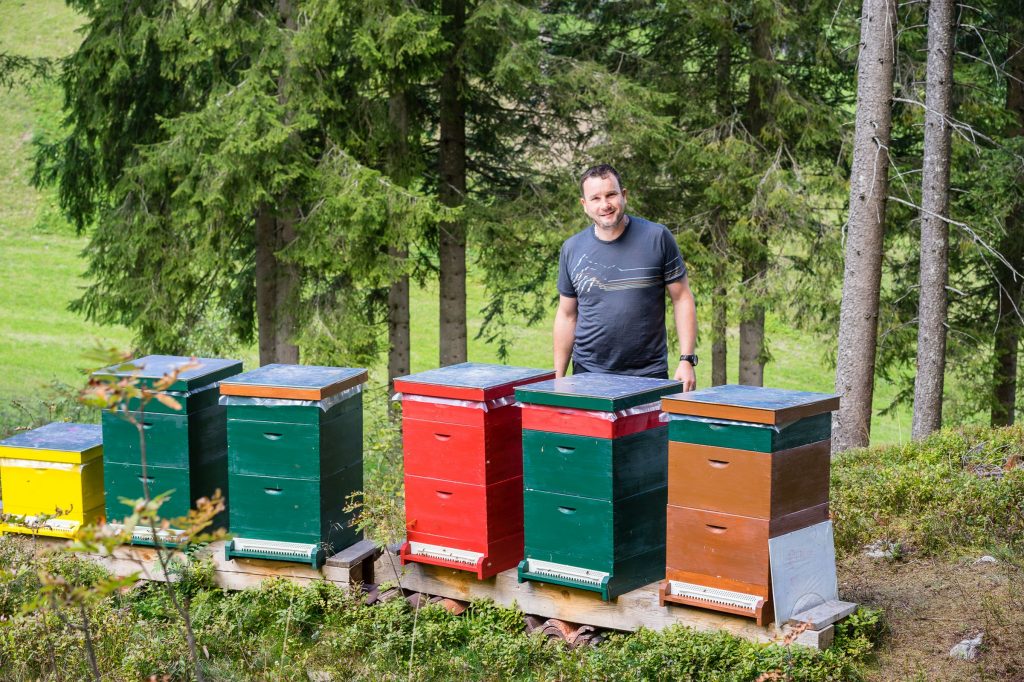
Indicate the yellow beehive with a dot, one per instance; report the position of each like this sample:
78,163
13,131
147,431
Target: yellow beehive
52,479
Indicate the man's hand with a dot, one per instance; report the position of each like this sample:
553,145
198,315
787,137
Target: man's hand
686,374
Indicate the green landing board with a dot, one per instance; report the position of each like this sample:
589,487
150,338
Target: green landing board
260,448
295,510
594,534
293,412
626,575
593,391
599,468
188,485
171,440
754,437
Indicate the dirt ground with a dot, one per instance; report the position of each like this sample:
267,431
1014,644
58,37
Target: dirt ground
930,605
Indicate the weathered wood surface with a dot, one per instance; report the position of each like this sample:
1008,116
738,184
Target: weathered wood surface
630,611
363,562
351,565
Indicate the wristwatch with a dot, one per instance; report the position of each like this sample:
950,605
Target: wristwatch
692,359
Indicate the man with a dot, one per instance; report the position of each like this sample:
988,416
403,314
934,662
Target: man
612,279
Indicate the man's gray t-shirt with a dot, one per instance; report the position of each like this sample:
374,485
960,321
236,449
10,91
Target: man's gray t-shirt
620,291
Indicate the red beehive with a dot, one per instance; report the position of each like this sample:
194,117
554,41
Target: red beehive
462,446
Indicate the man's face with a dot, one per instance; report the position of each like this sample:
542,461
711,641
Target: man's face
604,201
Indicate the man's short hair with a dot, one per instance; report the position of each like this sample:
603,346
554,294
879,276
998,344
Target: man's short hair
600,171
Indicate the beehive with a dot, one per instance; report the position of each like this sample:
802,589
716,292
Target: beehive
746,464
185,449
52,479
295,455
595,477
461,439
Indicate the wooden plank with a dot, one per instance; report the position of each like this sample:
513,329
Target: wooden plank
817,639
630,611
824,614
354,555
236,574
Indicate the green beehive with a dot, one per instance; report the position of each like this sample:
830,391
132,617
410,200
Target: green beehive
185,450
594,507
295,455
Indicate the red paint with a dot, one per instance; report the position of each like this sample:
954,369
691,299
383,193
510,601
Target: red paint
468,454
461,393
464,511
586,422
459,414
498,555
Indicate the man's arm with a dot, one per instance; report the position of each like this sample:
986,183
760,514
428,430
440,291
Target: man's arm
685,313
565,333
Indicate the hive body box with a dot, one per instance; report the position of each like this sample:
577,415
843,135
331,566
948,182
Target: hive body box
746,464
57,467
594,471
186,449
462,445
295,455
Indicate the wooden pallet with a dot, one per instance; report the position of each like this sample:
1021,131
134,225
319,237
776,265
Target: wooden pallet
364,562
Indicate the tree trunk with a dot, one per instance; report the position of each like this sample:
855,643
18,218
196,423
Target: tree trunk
932,306
755,262
869,186
752,349
276,288
452,191
720,236
1012,247
277,282
399,345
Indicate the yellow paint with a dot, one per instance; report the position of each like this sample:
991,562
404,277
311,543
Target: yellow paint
31,488
66,456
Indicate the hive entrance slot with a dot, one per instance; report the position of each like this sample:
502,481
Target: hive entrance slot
714,596
449,554
564,572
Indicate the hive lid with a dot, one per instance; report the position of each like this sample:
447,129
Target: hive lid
293,382
151,368
56,442
470,381
591,391
750,404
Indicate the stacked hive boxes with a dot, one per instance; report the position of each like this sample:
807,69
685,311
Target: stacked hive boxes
52,478
295,455
186,449
746,464
464,466
594,468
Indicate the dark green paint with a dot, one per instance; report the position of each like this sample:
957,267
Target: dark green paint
261,448
295,510
599,468
171,440
583,402
752,437
189,403
627,575
594,534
